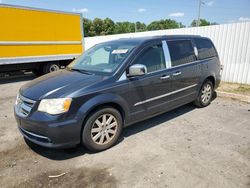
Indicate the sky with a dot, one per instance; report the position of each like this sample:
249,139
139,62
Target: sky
220,11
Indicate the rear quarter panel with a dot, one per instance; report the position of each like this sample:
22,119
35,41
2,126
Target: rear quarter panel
211,67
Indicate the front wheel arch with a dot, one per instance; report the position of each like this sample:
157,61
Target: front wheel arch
86,129
98,102
104,105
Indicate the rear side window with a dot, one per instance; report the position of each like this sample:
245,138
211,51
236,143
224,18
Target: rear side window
205,48
181,52
152,58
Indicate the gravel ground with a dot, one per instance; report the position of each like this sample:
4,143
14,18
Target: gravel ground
241,89
187,147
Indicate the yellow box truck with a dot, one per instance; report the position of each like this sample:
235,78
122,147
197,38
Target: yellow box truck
37,39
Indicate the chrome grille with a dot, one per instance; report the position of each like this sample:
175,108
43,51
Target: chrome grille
24,106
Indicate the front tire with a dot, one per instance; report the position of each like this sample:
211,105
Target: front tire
102,129
205,95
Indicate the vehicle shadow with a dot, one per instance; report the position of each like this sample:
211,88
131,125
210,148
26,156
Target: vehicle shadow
64,154
19,77
157,120
57,154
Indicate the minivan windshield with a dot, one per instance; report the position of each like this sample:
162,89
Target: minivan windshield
102,58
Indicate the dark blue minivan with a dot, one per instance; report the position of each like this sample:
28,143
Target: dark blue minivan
113,85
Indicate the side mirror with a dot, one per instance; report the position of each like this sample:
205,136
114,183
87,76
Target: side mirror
137,70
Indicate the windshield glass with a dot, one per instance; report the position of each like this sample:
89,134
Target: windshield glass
103,58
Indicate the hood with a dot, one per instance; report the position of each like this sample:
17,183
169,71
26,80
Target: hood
58,84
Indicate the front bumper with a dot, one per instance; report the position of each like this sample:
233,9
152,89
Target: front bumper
49,132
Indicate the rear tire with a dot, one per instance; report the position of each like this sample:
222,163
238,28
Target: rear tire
205,95
51,67
102,129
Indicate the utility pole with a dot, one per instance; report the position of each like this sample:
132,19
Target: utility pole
199,14
135,28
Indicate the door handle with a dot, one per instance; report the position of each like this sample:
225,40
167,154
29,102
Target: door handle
177,73
165,77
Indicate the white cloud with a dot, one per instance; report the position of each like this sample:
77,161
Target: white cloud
141,10
209,3
244,19
82,10
176,14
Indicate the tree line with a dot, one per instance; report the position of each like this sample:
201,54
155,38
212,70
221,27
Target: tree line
98,27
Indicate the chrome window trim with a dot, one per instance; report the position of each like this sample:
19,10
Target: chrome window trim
122,77
149,73
165,95
166,54
196,52
168,57
197,61
179,66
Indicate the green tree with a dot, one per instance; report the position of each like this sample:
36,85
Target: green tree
171,24
124,27
92,32
108,26
98,26
203,22
141,27
87,27
163,24
155,25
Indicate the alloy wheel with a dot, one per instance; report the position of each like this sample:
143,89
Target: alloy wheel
206,93
104,129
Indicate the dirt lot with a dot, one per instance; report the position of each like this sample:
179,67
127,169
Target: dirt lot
187,147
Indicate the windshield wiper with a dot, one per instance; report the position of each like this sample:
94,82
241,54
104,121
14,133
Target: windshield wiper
81,71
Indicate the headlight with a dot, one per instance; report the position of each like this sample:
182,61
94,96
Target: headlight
55,106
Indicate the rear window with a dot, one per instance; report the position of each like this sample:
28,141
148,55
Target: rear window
181,52
205,49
